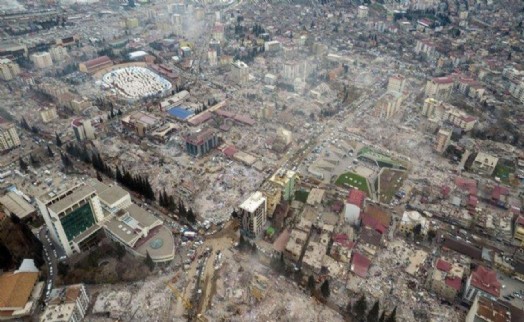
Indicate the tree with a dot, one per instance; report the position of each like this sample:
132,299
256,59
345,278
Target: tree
360,307
65,160
349,309
58,140
431,235
23,164
324,288
121,251
62,268
373,313
393,316
417,229
191,216
149,262
242,243
311,283
161,200
50,152
24,124
33,160
382,317
99,176
182,212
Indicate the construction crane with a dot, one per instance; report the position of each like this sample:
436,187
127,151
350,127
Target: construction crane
187,304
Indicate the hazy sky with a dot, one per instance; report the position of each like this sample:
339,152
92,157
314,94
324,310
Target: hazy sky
10,5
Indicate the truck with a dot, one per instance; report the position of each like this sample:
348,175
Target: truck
189,234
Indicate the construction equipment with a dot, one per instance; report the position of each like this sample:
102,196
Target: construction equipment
187,304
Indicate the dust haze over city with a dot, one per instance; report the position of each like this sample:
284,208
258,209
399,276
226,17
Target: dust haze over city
234,160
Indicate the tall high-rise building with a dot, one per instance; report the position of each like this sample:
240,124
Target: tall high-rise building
389,104
212,57
71,215
59,53
362,11
439,87
286,180
83,129
8,69
48,114
240,72
42,60
253,212
430,106
397,83
8,135
442,140
200,143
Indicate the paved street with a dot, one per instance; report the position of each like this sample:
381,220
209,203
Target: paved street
49,256
511,285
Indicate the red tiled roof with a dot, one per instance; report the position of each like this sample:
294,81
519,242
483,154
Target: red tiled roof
486,280
343,240
520,221
467,184
454,282
372,222
225,113
442,265
499,191
360,264
379,214
244,119
469,118
442,80
77,122
201,118
200,137
356,197
98,61
230,151
472,201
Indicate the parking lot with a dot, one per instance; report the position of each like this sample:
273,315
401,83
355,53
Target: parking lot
512,290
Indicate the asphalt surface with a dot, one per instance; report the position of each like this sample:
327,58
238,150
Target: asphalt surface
50,257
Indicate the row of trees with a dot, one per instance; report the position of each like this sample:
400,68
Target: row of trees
324,288
360,311
168,202
138,183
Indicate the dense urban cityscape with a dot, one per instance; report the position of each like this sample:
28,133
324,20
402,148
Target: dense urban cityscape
288,160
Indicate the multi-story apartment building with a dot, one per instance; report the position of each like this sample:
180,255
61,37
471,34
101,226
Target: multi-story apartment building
42,60
8,69
253,212
8,136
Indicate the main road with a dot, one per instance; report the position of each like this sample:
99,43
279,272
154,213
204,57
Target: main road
49,256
